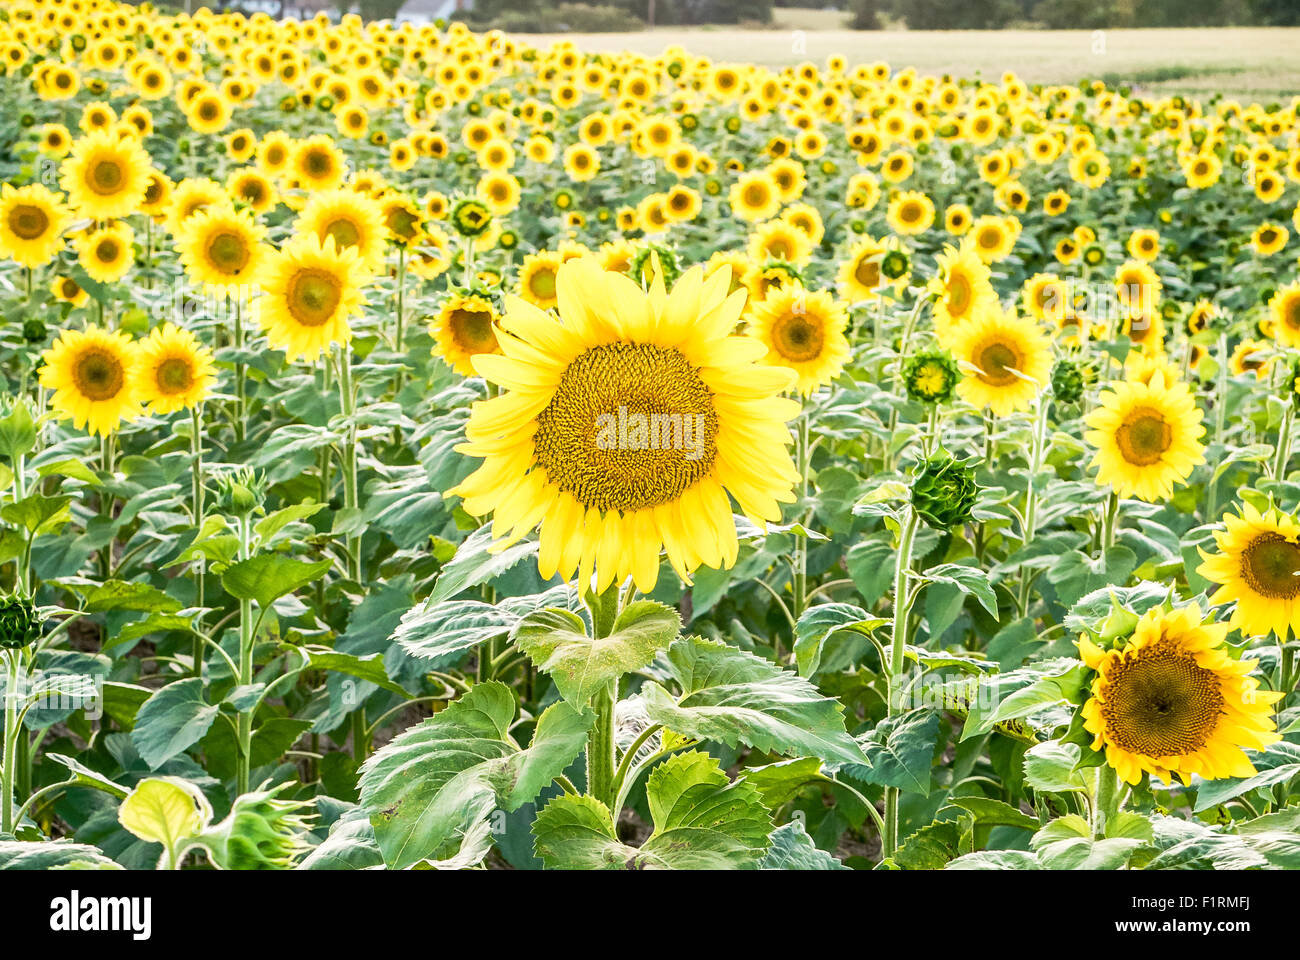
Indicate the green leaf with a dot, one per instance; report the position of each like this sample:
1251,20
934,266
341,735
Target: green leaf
429,788
38,514
557,642
267,577
733,697
165,810
933,846
900,750
969,580
172,720
1052,767
793,849
273,523
369,667
87,777
52,855
443,631
1276,836
780,782
1067,844
995,860
70,467
350,845
989,812
1031,689
702,821
819,622
1278,764
475,563
121,595
17,431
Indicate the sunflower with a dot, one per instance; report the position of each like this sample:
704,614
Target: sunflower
106,253
465,326
1251,356
1285,305
32,221
1173,700
353,220
310,289
253,187
779,240
910,212
1202,171
189,197
500,191
1258,567
69,291
1048,298
754,197
105,176
208,113
962,289
1137,286
1147,437
993,238
1007,360
537,278
222,248
317,163
1144,245
1269,238
624,426
93,375
804,331
859,276
175,370
581,162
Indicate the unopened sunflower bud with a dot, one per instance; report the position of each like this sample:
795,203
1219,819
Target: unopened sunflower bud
20,622
943,491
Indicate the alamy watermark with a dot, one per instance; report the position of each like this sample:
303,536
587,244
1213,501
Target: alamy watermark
632,430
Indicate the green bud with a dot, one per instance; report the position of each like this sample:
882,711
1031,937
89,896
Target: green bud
1069,380
943,491
240,492
931,376
20,622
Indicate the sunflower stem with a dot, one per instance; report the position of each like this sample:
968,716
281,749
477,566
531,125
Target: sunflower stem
244,723
10,742
240,390
348,396
1283,452
1110,513
1106,797
196,501
799,563
601,758
1030,522
897,660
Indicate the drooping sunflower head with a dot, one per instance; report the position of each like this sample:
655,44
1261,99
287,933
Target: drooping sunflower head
175,372
311,289
804,331
105,175
1147,437
1007,360
32,221
222,248
93,374
353,220
624,425
1258,566
1171,700
464,326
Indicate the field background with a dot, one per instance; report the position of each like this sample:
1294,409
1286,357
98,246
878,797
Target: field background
1246,62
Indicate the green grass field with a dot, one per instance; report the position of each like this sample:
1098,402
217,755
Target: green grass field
1249,63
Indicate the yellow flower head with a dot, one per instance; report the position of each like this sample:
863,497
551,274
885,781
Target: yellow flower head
93,375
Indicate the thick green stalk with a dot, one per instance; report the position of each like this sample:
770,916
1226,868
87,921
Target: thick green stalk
240,389
1105,800
1283,452
10,742
799,562
244,723
897,660
196,505
601,758
1036,451
348,397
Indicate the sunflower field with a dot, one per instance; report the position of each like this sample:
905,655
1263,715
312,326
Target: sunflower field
421,449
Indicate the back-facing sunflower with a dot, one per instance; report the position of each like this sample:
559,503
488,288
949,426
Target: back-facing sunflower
310,290
1147,437
105,176
93,374
626,423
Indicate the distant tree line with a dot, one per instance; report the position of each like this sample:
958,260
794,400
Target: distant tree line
538,13
1073,14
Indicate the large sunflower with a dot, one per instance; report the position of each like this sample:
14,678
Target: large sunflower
803,331
222,248
32,221
464,326
1147,437
1258,566
1007,360
175,370
354,220
1172,700
93,374
310,290
962,288
625,424
105,176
